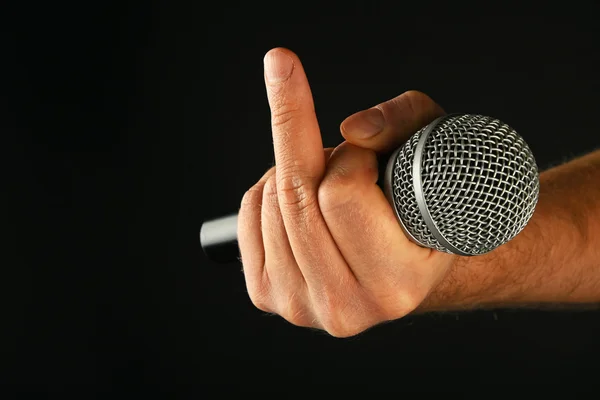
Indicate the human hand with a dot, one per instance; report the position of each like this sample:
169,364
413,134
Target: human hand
319,241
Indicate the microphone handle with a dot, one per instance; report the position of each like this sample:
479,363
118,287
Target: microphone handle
218,236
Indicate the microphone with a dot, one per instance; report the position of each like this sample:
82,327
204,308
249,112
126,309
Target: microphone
464,184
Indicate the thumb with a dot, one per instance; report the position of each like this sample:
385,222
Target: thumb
388,125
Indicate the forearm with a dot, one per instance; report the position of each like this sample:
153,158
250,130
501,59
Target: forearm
554,260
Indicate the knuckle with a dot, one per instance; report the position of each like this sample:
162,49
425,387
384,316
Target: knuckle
295,311
411,99
410,107
339,316
295,192
406,102
343,329
253,197
416,104
329,195
282,113
417,96
335,191
260,296
270,193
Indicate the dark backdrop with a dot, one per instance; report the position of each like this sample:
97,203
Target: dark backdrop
126,125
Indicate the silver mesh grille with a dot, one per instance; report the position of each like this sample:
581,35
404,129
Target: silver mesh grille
479,183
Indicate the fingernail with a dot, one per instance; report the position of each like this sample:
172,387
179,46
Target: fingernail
364,124
278,66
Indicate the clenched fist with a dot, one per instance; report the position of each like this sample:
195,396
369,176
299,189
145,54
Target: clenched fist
319,242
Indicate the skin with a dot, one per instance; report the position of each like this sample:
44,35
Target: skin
321,247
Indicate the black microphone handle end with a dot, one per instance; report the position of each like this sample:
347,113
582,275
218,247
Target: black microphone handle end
218,238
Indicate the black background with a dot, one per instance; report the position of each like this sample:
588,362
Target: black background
126,125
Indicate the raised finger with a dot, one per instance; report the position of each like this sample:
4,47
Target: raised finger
300,165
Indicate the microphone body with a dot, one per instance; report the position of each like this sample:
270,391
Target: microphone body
464,184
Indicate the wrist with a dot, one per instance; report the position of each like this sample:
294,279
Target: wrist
528,270
471,282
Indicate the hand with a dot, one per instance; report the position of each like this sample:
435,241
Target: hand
319,242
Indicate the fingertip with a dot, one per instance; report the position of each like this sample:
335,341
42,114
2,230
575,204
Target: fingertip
278,66
363,124
283,50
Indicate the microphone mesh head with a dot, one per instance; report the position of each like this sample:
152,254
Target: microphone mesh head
478,184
